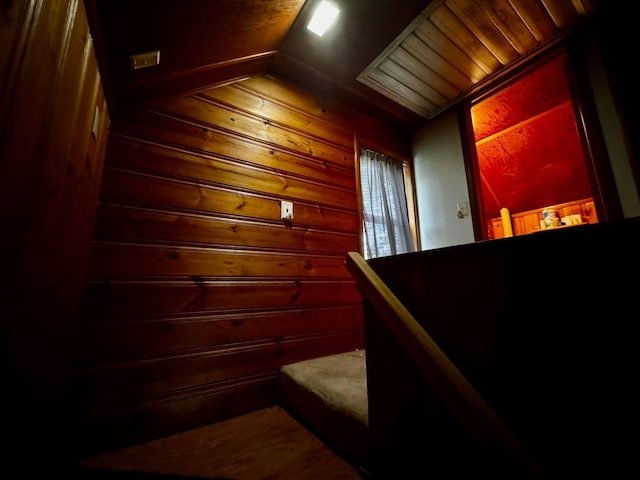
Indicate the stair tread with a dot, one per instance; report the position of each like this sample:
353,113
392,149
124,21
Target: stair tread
329,394
339,380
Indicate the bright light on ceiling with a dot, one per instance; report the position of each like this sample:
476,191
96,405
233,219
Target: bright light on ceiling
323,17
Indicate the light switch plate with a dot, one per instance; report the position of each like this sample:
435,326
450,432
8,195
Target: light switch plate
286,210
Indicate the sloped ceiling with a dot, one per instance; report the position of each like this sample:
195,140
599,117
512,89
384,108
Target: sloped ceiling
202,43
405,61
455,45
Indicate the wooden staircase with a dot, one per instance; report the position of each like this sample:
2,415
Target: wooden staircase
484,385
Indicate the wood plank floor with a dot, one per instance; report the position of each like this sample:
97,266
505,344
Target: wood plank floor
265,445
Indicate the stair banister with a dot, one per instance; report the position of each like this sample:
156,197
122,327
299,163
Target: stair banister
464,402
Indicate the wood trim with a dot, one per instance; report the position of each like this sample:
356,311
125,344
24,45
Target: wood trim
410,193
598,163
356,161
472,172
144,82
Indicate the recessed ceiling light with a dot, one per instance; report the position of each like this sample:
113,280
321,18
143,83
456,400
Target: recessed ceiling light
323,17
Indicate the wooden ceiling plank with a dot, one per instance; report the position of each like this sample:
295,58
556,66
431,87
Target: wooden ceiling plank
422,71
409,29
431,35
536,18
426,55
562,12
583,7
450,25
510,25
485,28
416,84
401,93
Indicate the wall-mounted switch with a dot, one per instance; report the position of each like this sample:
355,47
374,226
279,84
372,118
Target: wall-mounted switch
286,210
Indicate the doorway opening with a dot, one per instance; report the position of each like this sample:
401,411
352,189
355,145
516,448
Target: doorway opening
532,162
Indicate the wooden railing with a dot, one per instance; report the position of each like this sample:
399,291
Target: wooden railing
497,443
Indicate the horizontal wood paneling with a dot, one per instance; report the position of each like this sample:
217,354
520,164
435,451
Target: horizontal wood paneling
176,162
118,223
242,99
268,90
195,283
201,133
112,260
117,385
369,130
143,339
208,112
135,188
130,300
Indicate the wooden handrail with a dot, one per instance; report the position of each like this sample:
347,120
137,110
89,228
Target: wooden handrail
464,402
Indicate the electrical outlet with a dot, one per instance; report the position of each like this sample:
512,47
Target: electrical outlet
286,210
462,209
143,60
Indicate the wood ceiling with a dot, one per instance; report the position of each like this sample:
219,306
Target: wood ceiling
455,45
404,60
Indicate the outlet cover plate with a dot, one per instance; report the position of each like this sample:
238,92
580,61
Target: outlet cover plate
143,60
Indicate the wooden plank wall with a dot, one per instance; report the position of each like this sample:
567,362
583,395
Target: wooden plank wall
198,292
53,134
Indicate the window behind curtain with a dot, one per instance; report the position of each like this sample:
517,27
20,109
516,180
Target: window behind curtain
384,203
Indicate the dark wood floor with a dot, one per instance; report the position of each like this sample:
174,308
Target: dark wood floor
265,445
